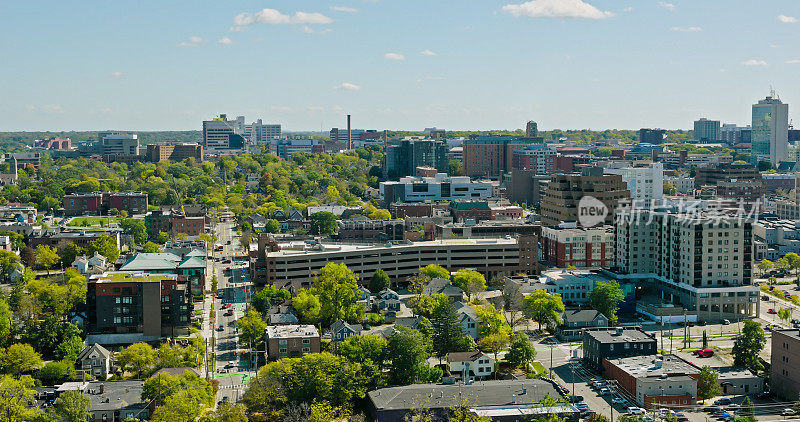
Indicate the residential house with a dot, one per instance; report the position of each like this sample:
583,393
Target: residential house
574,321
470,365
95,360
468,319
341,330
364,298
443,286
87,265
388,300
291,341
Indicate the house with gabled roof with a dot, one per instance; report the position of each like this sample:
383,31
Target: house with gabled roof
468,319
470,365
341,330
95,360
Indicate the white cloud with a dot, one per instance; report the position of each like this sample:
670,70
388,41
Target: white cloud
394,56
194,41
793,61
344,9
347,86
428,53
116,74
628,9
576,9
274,17
48,108
686,29
665,5
787,19
225,41
754,62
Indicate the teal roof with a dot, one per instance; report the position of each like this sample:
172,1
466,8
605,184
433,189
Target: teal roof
197,253
192,262
469,205
151,261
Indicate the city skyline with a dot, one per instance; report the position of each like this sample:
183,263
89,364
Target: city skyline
478,66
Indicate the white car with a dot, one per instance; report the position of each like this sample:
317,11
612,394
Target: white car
633,410
788,412
618,400
604,391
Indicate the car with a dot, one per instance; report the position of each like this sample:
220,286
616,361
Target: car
226,306
764,394
232,364
788,412
786,295
648,418
665,412
726,322
702,323
633,410
711,409
682,418
733,406
221,328
705,353
795,321
772,311
582,405
723,415
604,391
618,400
574,399
764,298
723,401
229,312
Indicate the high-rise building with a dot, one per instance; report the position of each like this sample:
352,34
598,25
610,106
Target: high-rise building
706,131
652,136
645,182
531,129
702,261
737,181
113,143
770,138
564,192
402,159
492,156
223,136
260,133
731,134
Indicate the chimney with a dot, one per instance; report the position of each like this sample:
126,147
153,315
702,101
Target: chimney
349,134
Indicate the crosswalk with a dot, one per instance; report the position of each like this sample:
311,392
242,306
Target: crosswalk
233,387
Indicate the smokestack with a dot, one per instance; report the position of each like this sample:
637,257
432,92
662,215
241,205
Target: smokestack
349,134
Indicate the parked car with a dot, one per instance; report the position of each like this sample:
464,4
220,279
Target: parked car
733,406
633,410
723,401
229,312
772,311
705,353
221,328
764,394
226,306
764,298
682,418
619,400
574,399
788,412
604,391
726,322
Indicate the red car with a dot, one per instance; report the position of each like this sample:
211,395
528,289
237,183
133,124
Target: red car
771,311
707,353
226,306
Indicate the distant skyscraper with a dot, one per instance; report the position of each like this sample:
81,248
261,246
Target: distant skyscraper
706,131
651,136
223,136
770,137
531,129
732,134
260,133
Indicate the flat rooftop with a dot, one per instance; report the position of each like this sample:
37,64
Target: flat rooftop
628,334
291,331
655,366
115,277
301,248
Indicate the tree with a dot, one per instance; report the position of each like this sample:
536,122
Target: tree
46,257
151,247
319,377
747,411
470,281
307,304
272,226
8,260
543,307
748,345
705,340
765,265
493,343
605,297
69,252
105,245
5,322
782,264
265,399
793,260
53,373
708,383
491,321
323,223
20,358
447,336
379,281
263,298
784,314
162,237
226,412
251,328
335,286
669,188
73,406
159,388
370,352
183,406
522,351
17,394
432,271
406,349
137,358
135,228
28,256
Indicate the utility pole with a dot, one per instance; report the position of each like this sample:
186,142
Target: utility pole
551,361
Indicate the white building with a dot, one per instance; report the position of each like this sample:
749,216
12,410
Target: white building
223,136
683,184
471,365
260,133
439,188
770,136
285,148
645,182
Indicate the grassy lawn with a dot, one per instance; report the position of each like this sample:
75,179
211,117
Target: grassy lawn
92,221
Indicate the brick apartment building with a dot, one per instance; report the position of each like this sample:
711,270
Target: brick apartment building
173,152
492,156
568,245
564,192
371,230
173,223
734,181
57,239
97,203
153,305
291,341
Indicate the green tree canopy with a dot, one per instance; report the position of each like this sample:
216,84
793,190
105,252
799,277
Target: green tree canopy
138,358
53,373
307,304
17,394
323,223
263,298
20,358
748,345
46,257
605,297
73,406
522,351
447,335
543,307
379,281
335,286
432,271
105,245
407,351
251,328
708,383
470,281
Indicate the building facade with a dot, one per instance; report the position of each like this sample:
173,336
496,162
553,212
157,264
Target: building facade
291,341
706,131
567,245
223,136
785,364
434,189
560,203
491,156
645,181
174,152
402,159
770,136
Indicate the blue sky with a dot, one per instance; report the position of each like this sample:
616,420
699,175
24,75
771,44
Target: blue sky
394,64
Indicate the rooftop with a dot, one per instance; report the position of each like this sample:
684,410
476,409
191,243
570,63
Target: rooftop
291,331
299,248
655,366
120,277
151,261
481,393
619,335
